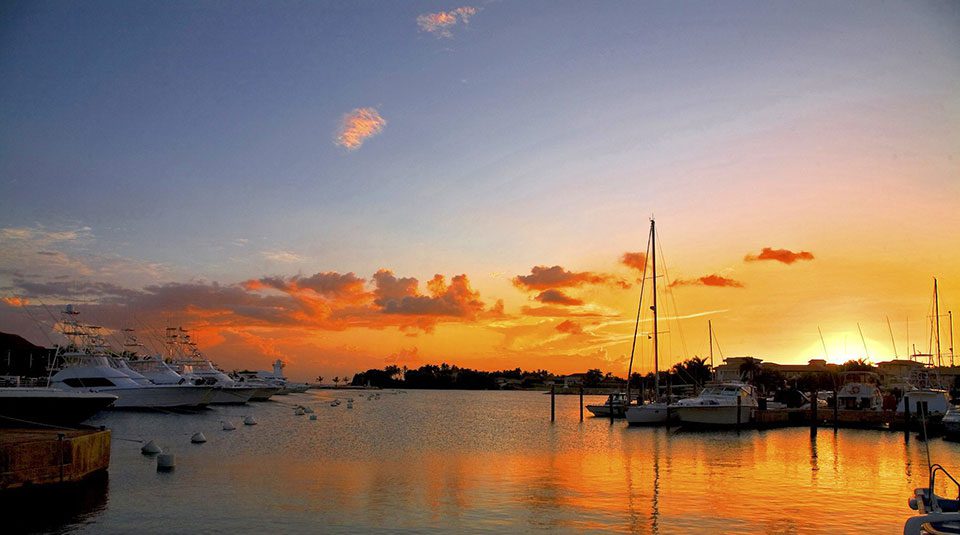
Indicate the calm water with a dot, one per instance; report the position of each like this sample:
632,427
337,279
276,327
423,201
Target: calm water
490,461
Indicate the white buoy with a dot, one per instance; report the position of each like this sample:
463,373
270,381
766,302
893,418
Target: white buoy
227,426
198,438
249,420
166,462
150,448
299,411
308,410
313,417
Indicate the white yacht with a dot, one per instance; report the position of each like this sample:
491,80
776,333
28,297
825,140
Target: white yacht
272,380
92,372
860,391
718,405
201,371
934,402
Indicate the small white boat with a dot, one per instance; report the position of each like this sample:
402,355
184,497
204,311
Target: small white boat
933,402
616,401
718,405
653,413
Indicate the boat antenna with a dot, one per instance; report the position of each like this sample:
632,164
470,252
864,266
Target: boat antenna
864,340
950,314
710,329
636,326
892,342
824,344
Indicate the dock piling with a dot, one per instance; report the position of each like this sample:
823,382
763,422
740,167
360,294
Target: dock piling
836,410
553,402
610,402
814,419
581,403
906,418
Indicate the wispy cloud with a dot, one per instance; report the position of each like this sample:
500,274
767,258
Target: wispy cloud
359,125
282,256
545,278
569,327
709,280
441,23
785,256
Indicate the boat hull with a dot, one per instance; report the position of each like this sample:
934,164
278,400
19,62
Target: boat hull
49,406
264,393
232,395
604,410
714,415
160,397
650,414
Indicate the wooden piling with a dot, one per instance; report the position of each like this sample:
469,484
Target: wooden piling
553,402
906,418
836,409
581,403
739,403
610,402
814,419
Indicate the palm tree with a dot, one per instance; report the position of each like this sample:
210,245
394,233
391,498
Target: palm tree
319,379
749,368
346,380
336,381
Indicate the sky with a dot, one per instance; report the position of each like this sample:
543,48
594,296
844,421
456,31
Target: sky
346,185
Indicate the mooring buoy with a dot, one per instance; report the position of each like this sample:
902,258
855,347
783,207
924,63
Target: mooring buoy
150,448
198,438
166,462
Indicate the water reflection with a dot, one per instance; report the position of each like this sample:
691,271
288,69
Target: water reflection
464,461
53,509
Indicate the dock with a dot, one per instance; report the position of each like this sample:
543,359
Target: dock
32,457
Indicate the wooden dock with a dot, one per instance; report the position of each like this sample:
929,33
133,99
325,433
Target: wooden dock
31,457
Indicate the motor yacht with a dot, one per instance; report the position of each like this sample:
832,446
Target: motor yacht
724,404
617,401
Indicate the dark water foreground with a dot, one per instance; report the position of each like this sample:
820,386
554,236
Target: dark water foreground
482,461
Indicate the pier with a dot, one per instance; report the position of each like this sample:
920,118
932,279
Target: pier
32,457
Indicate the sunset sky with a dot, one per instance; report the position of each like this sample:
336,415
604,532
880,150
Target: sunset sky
349,185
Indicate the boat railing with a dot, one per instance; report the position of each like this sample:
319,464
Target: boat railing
933,477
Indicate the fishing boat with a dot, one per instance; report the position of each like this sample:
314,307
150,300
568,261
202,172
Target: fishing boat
720,405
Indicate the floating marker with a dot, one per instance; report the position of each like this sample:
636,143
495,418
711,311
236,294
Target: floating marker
313,417
166,462
227,426
249,420
198,438
150,448
299,411
308,410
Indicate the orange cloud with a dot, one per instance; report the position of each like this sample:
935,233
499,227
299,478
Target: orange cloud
359,125
545,278
557,297
401,296
709,280
780,255
637,261
15,301
442,22
569,327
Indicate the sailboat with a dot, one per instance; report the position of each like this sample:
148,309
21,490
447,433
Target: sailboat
656,412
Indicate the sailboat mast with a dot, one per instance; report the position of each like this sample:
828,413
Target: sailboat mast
936,316
656,335
950,315
892,341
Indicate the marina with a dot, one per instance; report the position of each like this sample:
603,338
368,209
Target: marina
438,461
